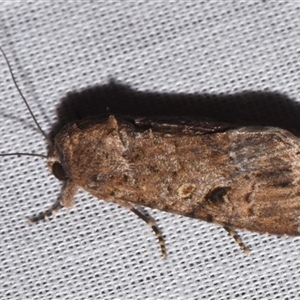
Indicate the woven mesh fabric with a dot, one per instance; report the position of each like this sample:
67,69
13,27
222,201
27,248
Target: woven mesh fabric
238,61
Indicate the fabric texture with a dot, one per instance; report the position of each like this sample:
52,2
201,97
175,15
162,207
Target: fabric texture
237,61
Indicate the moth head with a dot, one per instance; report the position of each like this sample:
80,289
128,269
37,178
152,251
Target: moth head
55,166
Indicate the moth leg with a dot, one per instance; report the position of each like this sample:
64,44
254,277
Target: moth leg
150,222
46,214
237,239
66,199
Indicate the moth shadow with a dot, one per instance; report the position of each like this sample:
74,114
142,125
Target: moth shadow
244,108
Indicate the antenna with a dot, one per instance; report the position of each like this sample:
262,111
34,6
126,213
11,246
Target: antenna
23,154
24,100
34,119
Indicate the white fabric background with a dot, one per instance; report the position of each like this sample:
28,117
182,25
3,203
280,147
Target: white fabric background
97,250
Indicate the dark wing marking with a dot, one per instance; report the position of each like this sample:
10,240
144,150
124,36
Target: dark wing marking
178,124
186,125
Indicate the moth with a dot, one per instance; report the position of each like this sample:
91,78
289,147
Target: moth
236,177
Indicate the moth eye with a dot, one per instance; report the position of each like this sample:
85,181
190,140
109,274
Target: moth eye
58,171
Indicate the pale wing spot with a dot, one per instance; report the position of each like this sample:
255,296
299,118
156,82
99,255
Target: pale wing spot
186,190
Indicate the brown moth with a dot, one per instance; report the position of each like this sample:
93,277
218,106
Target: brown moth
236,177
